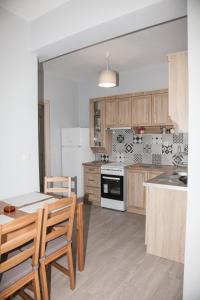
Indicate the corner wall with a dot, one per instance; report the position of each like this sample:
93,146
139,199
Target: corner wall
63,97
192,254
18,109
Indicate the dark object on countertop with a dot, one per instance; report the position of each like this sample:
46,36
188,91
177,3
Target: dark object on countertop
183,179
9,209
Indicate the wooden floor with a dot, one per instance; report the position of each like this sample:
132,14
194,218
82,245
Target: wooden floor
117,267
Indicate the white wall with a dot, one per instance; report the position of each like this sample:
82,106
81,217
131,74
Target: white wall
63,97
79,23
192,259
18,109
148,78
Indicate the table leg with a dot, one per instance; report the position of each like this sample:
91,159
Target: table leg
80,238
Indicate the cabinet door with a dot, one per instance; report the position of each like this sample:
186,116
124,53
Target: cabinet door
160,110
136,191
141,111
178,89
111,113
100,139
124,108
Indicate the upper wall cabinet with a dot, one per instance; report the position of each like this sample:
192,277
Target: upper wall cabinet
141,111
100,139
178,89
151,109
111,112
160,110
118,112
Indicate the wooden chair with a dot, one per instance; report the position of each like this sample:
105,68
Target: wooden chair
56,240
20,267
49,187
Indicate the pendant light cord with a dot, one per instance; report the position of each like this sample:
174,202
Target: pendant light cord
108,60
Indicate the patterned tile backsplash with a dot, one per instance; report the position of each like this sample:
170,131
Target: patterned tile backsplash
149,148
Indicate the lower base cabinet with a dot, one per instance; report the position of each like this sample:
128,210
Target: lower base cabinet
136,201
166,223
92,185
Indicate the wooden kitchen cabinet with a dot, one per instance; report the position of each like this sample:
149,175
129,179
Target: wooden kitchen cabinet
178,89
160,110
100,138
112,111
141,111
166,222
92,184
118,112
124,112
136,191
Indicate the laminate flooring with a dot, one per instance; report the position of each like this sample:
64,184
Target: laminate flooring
117,266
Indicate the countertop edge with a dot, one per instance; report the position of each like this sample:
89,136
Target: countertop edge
164,186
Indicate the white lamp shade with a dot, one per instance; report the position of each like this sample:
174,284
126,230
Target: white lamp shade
107,78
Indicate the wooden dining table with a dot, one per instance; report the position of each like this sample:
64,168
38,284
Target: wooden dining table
29,203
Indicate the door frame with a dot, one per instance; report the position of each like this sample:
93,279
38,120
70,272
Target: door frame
47,137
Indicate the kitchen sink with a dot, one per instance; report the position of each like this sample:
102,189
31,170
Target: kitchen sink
179,173
173,178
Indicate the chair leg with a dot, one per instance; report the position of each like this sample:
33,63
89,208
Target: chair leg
43,277
70,267
36,286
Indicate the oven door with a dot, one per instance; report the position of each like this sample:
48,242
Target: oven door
112,187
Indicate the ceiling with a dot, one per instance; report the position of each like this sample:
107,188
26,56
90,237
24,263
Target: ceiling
31,9
134,51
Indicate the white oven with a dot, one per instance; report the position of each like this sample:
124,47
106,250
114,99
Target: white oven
112,186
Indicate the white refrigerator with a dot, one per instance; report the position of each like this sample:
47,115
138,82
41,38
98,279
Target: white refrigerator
75,151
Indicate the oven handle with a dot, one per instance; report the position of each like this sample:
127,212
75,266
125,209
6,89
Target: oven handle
113,178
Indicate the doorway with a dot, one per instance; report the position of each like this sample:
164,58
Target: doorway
41,145
44,141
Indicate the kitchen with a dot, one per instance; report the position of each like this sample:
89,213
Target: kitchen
136,133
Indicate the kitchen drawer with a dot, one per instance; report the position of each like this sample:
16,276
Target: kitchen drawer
93,195
92,170
92,180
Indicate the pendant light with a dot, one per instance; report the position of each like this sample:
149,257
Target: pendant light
108,78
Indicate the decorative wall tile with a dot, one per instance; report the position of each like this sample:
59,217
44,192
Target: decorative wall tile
120,148
157,148
137,139
156,138
167,139
114,147
137,158
178,138
129,148
147,139
147,148
156,159
167,159
178,159
167,149
147,159
104,157
185,149
120,138
185,138
138,148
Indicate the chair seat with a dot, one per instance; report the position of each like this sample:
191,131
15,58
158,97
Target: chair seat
56,244
11,276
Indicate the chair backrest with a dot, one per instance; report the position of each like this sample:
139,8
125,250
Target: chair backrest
50,188
18,233
60,211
